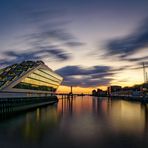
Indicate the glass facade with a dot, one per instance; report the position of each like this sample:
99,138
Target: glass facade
41,79
12,72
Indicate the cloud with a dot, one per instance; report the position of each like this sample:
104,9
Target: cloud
138,59
140,66
53,35
86,77
74,43
50,27
130,44
31,54
85,82
47,38
77,70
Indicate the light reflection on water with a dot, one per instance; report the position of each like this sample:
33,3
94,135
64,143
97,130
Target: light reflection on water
81,121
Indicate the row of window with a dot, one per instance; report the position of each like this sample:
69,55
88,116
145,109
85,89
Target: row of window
50,73
23,85
48,76
43,79
38,82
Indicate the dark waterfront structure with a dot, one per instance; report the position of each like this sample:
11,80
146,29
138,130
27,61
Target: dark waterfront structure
99,93
113,89
134,93
28,84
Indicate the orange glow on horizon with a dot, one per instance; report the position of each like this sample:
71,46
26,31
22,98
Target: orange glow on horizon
88,90
67,89
123,79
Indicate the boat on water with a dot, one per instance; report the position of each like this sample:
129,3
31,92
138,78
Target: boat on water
27,84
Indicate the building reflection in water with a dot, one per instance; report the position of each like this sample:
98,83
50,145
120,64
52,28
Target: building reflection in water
37,123
117,115
81,121
77,120
127,116
74,106
123,116
85,118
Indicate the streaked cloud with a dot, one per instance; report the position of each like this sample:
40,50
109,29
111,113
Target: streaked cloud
130,44
87,77
85,82
34,54
49,38
78,70
50,26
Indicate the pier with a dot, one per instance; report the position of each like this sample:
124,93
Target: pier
68,96
12,105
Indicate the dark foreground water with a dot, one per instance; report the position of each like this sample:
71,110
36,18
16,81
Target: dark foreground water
79,122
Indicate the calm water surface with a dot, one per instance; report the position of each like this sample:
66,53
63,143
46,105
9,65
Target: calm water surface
79,122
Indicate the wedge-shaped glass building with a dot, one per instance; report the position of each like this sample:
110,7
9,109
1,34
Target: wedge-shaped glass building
28,79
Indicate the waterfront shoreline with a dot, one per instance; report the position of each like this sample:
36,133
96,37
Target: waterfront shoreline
12,105
132,98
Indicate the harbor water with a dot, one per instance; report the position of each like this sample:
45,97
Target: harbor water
86,121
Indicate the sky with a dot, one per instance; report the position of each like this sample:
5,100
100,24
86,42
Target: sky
91,43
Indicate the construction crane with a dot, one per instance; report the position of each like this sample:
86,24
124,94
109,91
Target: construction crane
145,75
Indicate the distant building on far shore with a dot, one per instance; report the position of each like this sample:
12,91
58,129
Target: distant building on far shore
94,92
99,93
113,89
136,90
